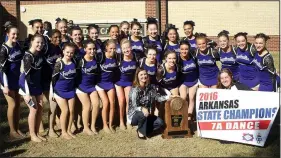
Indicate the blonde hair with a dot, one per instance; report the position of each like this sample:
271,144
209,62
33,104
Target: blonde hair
125,41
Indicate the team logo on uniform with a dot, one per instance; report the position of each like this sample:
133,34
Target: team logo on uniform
259,138
248,137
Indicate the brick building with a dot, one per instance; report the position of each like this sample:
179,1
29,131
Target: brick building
210,16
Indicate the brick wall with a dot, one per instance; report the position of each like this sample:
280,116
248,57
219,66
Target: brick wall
8,12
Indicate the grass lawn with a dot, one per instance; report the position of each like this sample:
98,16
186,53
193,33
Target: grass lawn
126,143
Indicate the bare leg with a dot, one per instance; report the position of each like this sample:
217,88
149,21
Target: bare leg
52,115
17,114
192,93
127,91
111,98
86,104
63,104
71,104
39,101
32,121
105,105
11,115
183,91
214,86
95,110
121,101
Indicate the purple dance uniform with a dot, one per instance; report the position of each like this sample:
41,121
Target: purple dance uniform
98,45
192,43
189,72
54,52
127,70
88,72
208,70
175,48
137,48
248,72
168,80
266,71
158,43
10,62
108,71
228,60
64,80
151,71
31,77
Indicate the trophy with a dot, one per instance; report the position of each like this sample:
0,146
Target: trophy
176,119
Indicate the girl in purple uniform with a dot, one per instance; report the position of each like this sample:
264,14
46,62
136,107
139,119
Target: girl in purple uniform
37,28
127,65
86,91
136,40
93,33
189,76
114,35
54,53
245,52
168,74
188,27
105,87
61,25
264,61
154,38
227,55
30,85
206,59
10,61
172,37
77,38
124,29
149,63
63,84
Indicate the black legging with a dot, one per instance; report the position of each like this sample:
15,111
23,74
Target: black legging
146,125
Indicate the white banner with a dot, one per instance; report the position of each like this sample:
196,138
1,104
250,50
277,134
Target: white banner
238,116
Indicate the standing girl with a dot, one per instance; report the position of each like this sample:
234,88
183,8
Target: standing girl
206,58
93,33
124,29
188,27
136,40
114,35
63,84
61,25
154,38
189,76
86,91
171,39
54,52
30,85
37,28
127,65
10,61
105,87
227,55
248,72
264,61
77,38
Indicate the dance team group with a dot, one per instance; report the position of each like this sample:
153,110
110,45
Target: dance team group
141,71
